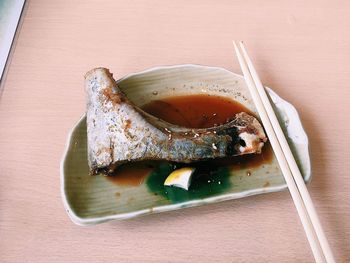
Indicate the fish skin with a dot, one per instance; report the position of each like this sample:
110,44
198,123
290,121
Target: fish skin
118,131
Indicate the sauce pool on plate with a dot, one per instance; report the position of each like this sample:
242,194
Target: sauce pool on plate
195,111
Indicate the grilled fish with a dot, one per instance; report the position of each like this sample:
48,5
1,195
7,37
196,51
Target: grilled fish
118,131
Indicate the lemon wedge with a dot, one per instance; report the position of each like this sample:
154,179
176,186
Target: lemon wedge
180,178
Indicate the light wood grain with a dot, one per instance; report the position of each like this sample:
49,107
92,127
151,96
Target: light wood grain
300,49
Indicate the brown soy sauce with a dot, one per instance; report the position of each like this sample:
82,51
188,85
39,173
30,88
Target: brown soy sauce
195,111
133,174
211,177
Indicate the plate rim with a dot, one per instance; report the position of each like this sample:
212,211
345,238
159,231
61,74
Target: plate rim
170,207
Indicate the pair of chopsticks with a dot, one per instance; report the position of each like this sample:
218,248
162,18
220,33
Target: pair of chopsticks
287,163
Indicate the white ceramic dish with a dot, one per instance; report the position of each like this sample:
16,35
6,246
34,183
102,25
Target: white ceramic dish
94,199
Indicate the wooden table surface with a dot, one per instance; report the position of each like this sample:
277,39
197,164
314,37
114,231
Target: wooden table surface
301,49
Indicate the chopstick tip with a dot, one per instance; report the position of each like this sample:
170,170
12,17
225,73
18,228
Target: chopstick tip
241,44
235,45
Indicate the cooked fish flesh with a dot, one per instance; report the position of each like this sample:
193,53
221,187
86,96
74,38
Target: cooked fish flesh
118,131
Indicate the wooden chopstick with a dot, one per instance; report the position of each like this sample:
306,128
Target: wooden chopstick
301,207
290,159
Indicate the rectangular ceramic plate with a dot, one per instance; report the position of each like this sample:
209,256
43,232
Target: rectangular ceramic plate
95,199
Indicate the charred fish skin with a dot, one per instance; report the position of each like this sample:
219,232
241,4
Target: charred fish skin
118,131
